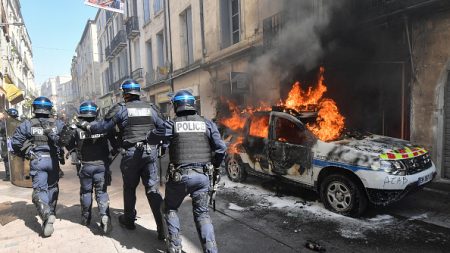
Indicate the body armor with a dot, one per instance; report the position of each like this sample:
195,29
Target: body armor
91,147
140,121
37,130
189,144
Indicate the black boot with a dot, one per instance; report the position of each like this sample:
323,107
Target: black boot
126,223
85,221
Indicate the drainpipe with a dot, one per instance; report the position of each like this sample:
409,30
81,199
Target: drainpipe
169,38
130,64
202,28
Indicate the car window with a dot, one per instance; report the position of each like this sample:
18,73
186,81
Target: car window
287,131
259,126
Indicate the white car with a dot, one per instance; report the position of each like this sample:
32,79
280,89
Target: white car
347,173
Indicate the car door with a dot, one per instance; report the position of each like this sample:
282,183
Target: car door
256,142
290,148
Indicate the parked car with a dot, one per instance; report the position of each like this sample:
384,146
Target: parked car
348,173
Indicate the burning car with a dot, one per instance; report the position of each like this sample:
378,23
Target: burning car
347,173
300,143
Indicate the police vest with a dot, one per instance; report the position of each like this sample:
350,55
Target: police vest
91,147
140,121
189,144
39,138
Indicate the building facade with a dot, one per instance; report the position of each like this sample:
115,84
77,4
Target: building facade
16,59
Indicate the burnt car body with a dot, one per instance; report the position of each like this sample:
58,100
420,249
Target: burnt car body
348,173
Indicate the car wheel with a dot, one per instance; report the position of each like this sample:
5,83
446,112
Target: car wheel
235,171
341,194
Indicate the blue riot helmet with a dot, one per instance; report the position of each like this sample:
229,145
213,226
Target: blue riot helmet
12,112
131,87
42,105
88,109
183,100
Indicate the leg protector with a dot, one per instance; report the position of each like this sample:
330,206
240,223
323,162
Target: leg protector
155,201
53,193
42,207
203,222
171,226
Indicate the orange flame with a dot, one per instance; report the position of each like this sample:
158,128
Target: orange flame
236,121
259,127
328,126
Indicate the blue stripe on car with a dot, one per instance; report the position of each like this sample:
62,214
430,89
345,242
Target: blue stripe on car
322,163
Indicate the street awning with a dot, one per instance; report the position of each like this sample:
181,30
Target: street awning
13,93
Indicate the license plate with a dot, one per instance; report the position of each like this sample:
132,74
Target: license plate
425,179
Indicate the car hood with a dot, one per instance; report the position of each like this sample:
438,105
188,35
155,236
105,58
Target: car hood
386,148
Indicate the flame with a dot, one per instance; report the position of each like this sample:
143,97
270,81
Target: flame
328,126
259,127
300,100
234,146
329,123
236,121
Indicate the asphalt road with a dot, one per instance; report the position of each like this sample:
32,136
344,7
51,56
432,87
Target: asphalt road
249,218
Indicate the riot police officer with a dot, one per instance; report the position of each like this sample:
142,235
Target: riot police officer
5,141
134,119
37,140
192,139
92,151
13,113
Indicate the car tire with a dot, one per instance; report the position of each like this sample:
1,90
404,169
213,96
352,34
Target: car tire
341,194
235,170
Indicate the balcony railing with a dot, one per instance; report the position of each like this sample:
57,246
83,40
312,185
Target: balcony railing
132,27
150,78
108,55
156,75
116,85
118,43
138,74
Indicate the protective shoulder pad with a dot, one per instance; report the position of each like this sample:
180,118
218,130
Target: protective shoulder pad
34,121
156,108
113,111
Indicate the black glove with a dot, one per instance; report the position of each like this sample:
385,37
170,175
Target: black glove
84,125
108,177
114,152
216,175
48,131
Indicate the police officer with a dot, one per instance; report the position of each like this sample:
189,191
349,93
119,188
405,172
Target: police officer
192,139
92,151
13,113
134,119
37,139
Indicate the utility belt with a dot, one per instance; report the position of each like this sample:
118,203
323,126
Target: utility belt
175,173
141,146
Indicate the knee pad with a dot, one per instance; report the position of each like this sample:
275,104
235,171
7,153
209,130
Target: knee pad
200,202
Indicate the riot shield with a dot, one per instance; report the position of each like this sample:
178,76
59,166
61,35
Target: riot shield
19,168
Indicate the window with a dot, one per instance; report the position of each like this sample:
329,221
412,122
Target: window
259,126
287,131
230,22
157,6
186,37
146,11
160,48
150,73
137,55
